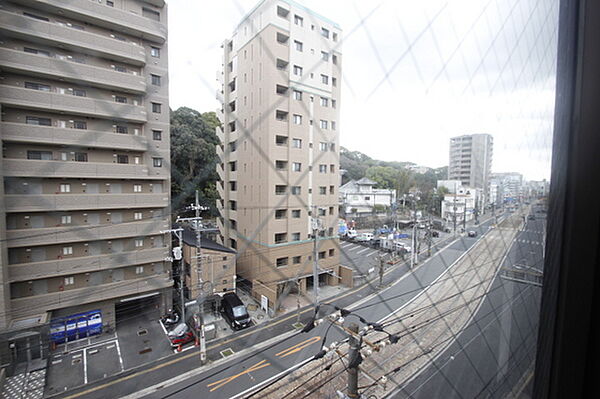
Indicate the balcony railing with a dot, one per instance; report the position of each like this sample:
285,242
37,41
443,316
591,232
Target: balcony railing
65,202
61,34
23,133
21,61
65,103
72,169
84,264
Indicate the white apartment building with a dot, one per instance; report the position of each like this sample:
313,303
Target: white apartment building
360,196
461,206
279,148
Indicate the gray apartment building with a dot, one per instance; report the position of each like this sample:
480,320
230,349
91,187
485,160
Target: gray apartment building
85,166
280,98
471,161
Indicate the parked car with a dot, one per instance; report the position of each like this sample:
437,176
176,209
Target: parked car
180,335
234,311
364,237
472,233
435,233
531,217
351,234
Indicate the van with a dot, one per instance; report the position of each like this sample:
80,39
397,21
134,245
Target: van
364,237
234,311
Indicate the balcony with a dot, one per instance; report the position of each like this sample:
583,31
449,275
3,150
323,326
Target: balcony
55,34
219,152
56,300
66,202
109,17
97,170
53,235
65,103
220,134
22,133
84,264
22,62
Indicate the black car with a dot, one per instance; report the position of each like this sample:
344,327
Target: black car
472,233
234,311
531,217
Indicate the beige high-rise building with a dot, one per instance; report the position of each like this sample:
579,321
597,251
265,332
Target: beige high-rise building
471,161
85,167
280,92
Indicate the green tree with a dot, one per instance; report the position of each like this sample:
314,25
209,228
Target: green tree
193,158
385,176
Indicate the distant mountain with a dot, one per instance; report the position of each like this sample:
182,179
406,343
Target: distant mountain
395,175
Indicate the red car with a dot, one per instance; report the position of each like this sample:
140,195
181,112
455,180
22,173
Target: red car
188,336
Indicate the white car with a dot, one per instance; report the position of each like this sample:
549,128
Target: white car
364,237
351,233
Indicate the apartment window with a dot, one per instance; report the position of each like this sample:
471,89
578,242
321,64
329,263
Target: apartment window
297,70
324,79
281,115
157,162
137,188
331,210
334,82
281,140
34,16
325,32
37,86
280,238
331,189
324,124
280,213
322,190
324,102
40,155
280,165
233,243
282,65
65,219
296,167
297,95
322,255
65,188
282,38
138,242
297,119
69,280
121,129
121,99
296,259
80,125
296,213
334,59
282,12
333,127
296,143
298,20
295,236
331,146
152,14
34,120
123,159
139,269
110,3
280,262
36,51
155,51
333,103
331,252
323,146
137,216
232,166
233,146
67,251
81,157
280,189
322,211
335,37
233,205
233,185
296,190
155,79
298,45
322,168
332,168
325,56
156,108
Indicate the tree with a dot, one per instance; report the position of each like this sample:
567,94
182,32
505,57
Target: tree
384,176
193,158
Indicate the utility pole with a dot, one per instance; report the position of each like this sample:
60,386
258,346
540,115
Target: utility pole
353,362
177,255
381,269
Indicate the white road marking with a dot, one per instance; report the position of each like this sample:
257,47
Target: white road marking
355,247
346,244
119,352
362,250
85,379
372,253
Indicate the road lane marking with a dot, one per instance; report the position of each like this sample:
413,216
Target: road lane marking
224,381
85,378
361,251
298,347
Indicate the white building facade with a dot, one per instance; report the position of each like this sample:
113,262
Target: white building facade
462,206
360,196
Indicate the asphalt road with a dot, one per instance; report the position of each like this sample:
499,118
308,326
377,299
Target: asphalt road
497,349
231,377
238,376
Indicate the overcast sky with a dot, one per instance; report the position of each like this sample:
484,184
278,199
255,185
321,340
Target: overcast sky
415,73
